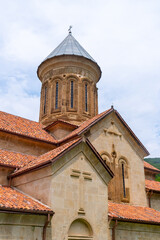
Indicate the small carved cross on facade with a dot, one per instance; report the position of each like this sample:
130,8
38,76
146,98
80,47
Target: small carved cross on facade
83,176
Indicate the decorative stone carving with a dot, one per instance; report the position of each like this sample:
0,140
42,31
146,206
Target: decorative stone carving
112,130
82,177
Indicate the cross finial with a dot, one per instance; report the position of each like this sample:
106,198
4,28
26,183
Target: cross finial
69,30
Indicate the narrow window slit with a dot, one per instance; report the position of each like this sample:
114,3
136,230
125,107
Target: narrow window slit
71,94
56,98
123,177
45,99
86,98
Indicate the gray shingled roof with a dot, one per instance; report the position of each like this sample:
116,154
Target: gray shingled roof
70,46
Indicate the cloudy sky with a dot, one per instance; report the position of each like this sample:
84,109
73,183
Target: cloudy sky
123,36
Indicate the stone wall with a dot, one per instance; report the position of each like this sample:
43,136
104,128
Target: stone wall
115,144
4,172
58,73
22,226
75,187
20,144
155,201
134,231
150,175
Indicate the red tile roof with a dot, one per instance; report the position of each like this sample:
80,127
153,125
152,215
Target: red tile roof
152,185
150,167
128,213
48,157
21,126
52,156
85,125
14,159
14,200
28,128
90,122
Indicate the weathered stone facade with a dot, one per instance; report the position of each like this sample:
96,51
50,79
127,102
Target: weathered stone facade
21,226
135,231
74,171
71,187
60,72
116,146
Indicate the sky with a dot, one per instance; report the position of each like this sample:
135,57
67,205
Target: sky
123,36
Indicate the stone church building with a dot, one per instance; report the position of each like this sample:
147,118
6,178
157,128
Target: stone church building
75,174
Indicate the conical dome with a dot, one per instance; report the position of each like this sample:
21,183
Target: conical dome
69,76
69,46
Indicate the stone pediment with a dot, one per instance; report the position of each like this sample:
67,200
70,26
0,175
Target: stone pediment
112,130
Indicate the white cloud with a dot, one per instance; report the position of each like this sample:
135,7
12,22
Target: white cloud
15,98
122,36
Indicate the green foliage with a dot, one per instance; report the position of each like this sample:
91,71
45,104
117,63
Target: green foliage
156,163
158,177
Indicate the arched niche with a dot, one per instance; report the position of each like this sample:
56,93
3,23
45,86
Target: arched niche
80,229
107,159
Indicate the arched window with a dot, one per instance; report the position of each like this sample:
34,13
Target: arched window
56,96
71,94
80,229
86,98
123,173
106,158
45,99
123,180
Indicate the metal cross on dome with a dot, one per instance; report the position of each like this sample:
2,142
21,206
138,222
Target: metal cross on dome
69,30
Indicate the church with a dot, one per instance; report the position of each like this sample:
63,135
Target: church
76,174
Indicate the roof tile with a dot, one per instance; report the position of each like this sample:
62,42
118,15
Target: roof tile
152,185
25,127
125,212
86,125
14,159
46,157
13,199
150,167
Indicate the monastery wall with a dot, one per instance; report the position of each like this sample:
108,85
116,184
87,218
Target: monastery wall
150,175
4,172
134,231
23,145
76,191
155,201
114,143
22,226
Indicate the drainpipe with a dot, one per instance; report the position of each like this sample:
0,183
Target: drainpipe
45,226
113,230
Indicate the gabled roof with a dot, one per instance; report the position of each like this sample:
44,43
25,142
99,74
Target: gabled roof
69,46
129,213
14,159
60,121
47,158
27,128
13,200
86,125
91,122
51,156
24,127
151,168
152,185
